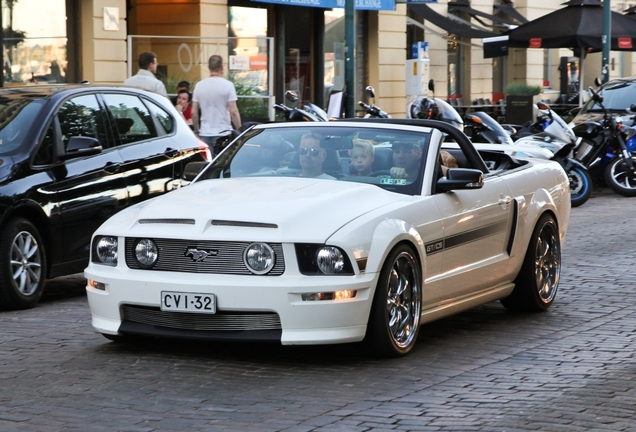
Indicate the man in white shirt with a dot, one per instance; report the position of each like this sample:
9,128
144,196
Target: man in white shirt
145,78
216,97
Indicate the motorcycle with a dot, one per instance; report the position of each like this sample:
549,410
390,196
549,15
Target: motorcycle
609,146
551,132
309,112
372,110
549,138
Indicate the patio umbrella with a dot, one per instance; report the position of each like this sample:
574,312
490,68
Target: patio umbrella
579,26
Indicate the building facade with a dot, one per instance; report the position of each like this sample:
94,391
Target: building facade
290,47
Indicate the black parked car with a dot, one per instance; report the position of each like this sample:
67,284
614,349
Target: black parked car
71,157
618,96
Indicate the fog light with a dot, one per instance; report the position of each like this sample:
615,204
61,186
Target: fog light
337,295
96,285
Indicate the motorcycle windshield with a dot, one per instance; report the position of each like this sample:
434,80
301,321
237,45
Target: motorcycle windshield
560,129
448,114
497,132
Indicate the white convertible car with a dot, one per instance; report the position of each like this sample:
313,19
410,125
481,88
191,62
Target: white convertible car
287,236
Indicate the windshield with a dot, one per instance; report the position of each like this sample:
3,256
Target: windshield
385,157
618,96
16,118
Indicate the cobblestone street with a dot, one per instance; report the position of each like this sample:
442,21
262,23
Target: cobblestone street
571,368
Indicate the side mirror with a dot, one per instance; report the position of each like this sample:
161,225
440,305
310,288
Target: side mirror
461,178
192,170
632,107
597,82
80,146
291,96
370,92
431,85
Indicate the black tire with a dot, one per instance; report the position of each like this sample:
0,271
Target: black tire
619,178
580,186
538,280
22,265
397,304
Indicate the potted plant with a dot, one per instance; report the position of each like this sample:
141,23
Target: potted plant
520,102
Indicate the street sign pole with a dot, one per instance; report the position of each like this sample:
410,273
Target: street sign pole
607,40
350,66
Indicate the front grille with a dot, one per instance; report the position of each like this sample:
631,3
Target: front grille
221,321
224,258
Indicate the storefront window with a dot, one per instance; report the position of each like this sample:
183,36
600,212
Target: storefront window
334,51
35,41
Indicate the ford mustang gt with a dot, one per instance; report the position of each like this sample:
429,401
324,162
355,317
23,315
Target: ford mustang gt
287,236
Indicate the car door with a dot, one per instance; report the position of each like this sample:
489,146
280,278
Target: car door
88,189
148,153
477,228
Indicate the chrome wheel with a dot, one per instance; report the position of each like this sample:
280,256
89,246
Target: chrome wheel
620,178
26,263
403,300
547,263
538,280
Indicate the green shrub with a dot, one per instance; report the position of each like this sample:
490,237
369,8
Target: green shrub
522,89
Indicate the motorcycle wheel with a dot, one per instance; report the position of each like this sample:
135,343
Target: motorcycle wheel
619,178
580,186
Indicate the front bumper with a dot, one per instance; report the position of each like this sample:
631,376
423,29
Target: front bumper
301,322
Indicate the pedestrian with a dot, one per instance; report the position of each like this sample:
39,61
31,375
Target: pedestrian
216,98
183,85
184,105
146,78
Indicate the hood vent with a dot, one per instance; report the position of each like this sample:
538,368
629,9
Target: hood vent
217,222
167,221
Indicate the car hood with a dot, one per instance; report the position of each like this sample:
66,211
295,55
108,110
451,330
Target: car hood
247,209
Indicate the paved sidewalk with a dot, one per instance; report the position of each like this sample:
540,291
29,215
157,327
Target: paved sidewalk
569,369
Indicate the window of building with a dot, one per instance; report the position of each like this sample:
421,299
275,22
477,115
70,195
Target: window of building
35,41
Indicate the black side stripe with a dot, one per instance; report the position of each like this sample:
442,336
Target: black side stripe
466,237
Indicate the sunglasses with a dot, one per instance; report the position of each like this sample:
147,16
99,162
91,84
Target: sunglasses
312,151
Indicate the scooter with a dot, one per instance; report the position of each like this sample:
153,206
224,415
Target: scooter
555,135
309,112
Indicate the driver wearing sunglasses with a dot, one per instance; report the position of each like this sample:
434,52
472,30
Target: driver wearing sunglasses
312,156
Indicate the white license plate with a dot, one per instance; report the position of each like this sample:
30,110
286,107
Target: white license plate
188,302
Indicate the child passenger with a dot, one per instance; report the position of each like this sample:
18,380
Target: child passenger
361,157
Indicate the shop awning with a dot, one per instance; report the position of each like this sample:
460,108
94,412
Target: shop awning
463,7
512,12
448,24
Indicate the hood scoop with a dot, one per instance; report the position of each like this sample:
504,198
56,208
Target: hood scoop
171,221
217,222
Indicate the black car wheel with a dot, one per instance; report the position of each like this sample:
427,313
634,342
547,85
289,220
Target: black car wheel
397,304
22,265
537,282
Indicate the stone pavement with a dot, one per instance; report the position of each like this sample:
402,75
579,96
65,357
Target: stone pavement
571,368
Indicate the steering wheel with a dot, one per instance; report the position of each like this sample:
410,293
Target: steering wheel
381,173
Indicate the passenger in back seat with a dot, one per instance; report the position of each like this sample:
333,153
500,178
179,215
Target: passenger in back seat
361,158
448,161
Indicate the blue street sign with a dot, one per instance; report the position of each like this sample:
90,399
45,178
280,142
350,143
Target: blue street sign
330,4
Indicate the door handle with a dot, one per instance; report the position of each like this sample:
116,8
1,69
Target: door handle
112,167
505,200
170,152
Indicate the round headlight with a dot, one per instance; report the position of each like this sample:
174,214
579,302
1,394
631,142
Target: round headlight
259,258
106,250
146,252
330,260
